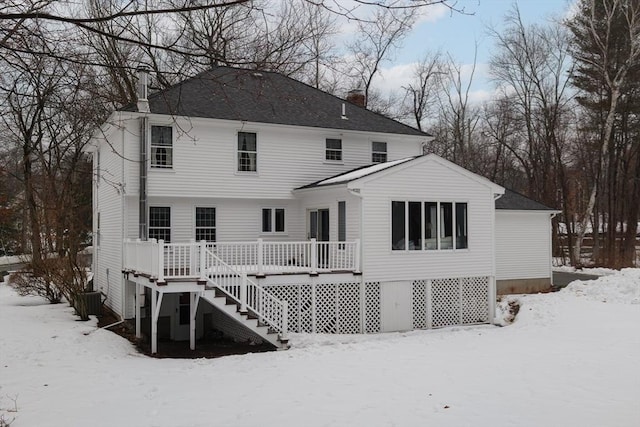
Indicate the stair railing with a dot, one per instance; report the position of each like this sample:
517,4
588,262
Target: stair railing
251,297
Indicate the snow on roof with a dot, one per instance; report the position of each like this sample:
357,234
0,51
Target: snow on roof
359,173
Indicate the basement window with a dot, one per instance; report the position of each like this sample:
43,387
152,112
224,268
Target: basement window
161,147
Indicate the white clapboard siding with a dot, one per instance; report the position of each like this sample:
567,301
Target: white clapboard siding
522,245
205,158
236,219
427,181
108,202
328,198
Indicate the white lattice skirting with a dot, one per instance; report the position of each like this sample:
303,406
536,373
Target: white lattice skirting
355,307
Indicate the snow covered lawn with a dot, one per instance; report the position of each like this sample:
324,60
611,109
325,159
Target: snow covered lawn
571,358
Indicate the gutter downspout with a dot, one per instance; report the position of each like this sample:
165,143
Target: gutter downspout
553,215
363,310
493,285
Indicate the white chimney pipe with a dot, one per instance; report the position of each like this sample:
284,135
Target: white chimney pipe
143,89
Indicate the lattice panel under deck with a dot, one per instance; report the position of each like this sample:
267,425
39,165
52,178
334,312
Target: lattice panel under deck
373,322
475,300
326,318
445,302
348,309
419,304
298,298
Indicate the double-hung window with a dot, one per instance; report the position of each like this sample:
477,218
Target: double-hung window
160,223
247,152
161,147
430,225
378,152
333,149
273,220
206,224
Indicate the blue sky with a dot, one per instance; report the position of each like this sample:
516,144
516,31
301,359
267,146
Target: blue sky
458,34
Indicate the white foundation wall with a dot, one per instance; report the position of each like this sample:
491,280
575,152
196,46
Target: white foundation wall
428,181
523,244
205,158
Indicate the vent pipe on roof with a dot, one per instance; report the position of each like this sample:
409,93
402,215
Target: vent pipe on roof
344,112
143,89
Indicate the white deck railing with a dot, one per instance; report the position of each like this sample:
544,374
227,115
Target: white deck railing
162,261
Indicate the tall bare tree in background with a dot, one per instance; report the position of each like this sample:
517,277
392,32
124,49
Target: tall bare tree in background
606,36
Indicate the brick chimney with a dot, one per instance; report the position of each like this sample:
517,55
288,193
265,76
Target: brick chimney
356,96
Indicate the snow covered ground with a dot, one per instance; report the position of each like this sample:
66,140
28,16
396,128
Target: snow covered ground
571,358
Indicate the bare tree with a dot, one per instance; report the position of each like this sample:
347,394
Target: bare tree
375,43
421,95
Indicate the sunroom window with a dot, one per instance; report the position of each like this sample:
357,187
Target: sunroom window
417,225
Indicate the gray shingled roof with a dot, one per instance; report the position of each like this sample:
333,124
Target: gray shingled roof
266,97
517,202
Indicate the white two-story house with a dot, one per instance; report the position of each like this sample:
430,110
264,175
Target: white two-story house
256,205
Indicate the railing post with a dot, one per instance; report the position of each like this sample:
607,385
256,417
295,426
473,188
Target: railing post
260,257
203,260
192,261
243,292
160,260
314,257
357,256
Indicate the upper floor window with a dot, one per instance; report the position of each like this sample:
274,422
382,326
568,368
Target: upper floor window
273,220
160,223
378,152
161,146
428,225
334,149
206,224
247,152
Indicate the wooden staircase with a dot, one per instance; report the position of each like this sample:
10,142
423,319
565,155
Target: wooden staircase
249,320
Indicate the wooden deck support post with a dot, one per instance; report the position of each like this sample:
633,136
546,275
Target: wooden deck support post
285,320
138,303
156,303
492,299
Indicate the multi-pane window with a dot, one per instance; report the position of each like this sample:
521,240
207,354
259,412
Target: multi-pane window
273,220
206,224
417,225
161,146
160,223
334,149
247,152
378,152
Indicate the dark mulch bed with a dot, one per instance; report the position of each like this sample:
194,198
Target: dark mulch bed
205,348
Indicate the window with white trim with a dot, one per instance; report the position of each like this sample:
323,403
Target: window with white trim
333,149
161,147
247,152
378,152
273,220
206,224
160,223
418,225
